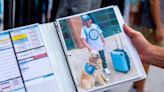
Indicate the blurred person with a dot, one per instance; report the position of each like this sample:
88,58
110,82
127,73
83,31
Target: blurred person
133,13
93,39
152,23
71,7
119,3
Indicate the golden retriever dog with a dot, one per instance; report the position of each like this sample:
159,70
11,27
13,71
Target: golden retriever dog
87,80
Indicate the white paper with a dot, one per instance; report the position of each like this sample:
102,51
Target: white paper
10,77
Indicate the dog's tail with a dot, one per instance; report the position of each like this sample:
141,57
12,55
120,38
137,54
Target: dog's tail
83,82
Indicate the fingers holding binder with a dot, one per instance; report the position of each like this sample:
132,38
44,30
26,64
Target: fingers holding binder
137,39
149,53
129,31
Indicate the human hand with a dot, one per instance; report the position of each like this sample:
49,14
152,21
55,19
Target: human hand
140,43
104,44
90,49
159,34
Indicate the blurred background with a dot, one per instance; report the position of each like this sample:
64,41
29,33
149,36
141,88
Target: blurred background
146,16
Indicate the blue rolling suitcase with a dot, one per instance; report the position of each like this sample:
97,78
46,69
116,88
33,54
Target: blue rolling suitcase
120,59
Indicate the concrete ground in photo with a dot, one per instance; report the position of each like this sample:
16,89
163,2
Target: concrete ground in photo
80,56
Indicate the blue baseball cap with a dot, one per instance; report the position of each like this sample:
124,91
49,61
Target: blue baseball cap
85,17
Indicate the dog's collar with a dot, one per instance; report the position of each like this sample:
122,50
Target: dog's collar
89,68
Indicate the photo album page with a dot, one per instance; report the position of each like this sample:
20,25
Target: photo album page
98,51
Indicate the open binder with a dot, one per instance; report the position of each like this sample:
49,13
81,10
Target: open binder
50,57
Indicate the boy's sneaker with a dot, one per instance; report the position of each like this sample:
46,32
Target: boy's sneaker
107,71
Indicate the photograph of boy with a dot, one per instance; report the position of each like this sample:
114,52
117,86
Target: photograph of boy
93,39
